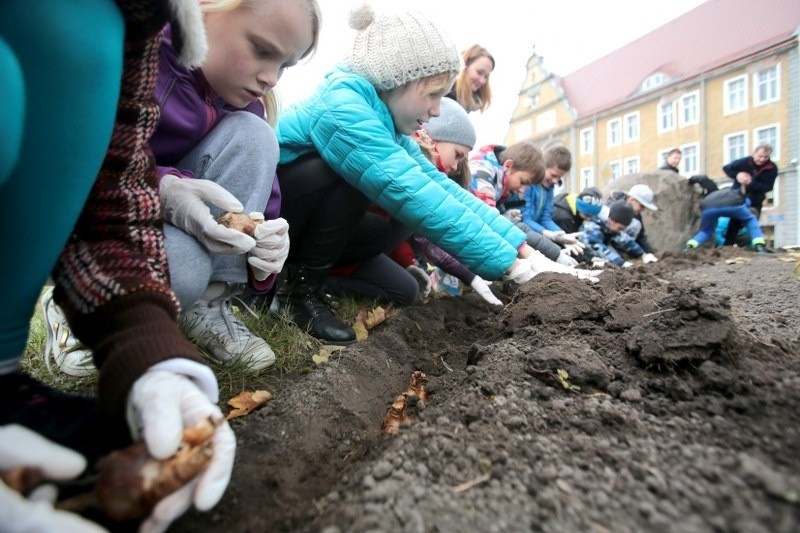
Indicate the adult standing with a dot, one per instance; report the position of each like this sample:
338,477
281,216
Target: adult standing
672,160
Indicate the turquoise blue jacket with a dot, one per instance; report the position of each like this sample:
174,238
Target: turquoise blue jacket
346,122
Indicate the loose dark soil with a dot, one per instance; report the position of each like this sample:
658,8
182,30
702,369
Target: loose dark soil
665,397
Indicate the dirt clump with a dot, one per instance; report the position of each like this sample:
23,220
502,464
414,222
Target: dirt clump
665,397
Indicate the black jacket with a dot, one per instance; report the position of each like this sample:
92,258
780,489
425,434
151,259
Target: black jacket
763,178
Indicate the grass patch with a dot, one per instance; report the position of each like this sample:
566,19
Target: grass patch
293,349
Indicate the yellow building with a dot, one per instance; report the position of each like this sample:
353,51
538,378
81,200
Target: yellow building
714,82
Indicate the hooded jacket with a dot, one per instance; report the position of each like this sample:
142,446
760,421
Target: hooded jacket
347,123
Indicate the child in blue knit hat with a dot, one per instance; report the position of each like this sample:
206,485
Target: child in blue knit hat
608,238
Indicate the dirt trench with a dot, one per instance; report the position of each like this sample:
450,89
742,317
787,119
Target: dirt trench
326,425
665,397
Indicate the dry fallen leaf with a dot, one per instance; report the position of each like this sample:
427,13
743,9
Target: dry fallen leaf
322,357
361,331
360,324
246,401
378,316
367,320
738,260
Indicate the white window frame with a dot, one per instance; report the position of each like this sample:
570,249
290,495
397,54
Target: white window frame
609,140
726,145
772,198
726,95
587,141
756,101
627,137
682,122
614,164
587,177
653,81
685,158
627,163
776,146
662,115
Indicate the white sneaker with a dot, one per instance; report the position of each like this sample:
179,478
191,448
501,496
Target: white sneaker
211,324
71,357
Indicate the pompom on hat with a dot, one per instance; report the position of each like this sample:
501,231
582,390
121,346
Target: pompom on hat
452,125
391,50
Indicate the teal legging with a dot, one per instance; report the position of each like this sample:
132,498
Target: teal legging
60,71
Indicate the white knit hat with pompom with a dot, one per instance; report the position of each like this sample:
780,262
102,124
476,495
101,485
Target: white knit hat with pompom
391,50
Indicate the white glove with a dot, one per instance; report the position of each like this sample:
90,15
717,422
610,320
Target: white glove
540,264
19,446
514,215
649,258
591,275
160,405
627,264
183,202
573,239
575,249
555,236
271,250
422,278
521,273
481,286
565,259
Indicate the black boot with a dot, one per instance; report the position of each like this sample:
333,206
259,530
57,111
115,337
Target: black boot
302,296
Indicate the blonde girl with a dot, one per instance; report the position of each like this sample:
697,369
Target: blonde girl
473,90
214,146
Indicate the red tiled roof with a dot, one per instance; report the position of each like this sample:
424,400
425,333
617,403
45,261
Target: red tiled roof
707,37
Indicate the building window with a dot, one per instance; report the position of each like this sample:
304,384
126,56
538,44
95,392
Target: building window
772,197
734,146
631,165
688,113
632,127
767,86
532,97
587,140
770,134
690,162
666,116
614,170
546,121
587,177
614,129
734,98
653,81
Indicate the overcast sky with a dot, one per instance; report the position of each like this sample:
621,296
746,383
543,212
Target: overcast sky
568,34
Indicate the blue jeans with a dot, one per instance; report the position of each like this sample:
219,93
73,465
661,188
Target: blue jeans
740,213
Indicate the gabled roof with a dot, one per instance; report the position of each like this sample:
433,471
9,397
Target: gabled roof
711,35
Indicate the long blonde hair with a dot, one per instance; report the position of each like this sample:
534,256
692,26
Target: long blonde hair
270,100
482,98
